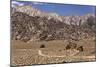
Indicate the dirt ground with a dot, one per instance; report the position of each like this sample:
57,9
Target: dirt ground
53,52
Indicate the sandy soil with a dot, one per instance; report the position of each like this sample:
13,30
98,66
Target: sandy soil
54,52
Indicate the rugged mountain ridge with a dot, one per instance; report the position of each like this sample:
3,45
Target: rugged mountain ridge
31,24
31,11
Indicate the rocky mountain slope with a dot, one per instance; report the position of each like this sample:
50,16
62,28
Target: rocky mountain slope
31,24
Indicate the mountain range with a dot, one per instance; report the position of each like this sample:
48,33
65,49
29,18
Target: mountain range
31,24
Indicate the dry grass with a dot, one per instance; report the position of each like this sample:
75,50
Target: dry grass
28,53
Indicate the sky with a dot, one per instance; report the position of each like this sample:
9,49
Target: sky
60,9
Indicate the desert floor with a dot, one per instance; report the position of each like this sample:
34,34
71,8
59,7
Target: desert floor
54,52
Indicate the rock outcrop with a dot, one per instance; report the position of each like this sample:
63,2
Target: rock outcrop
31,24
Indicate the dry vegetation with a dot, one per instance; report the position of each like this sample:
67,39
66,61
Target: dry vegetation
54,52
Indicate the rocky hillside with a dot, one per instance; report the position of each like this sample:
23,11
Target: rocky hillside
31,24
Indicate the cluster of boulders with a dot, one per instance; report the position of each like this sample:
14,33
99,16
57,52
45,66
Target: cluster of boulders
30,24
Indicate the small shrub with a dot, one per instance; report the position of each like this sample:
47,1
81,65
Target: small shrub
71,45
80,48
42,46
68,47
63,61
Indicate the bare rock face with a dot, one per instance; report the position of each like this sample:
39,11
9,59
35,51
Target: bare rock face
28,10
25,27
78,20
35,12
29,24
